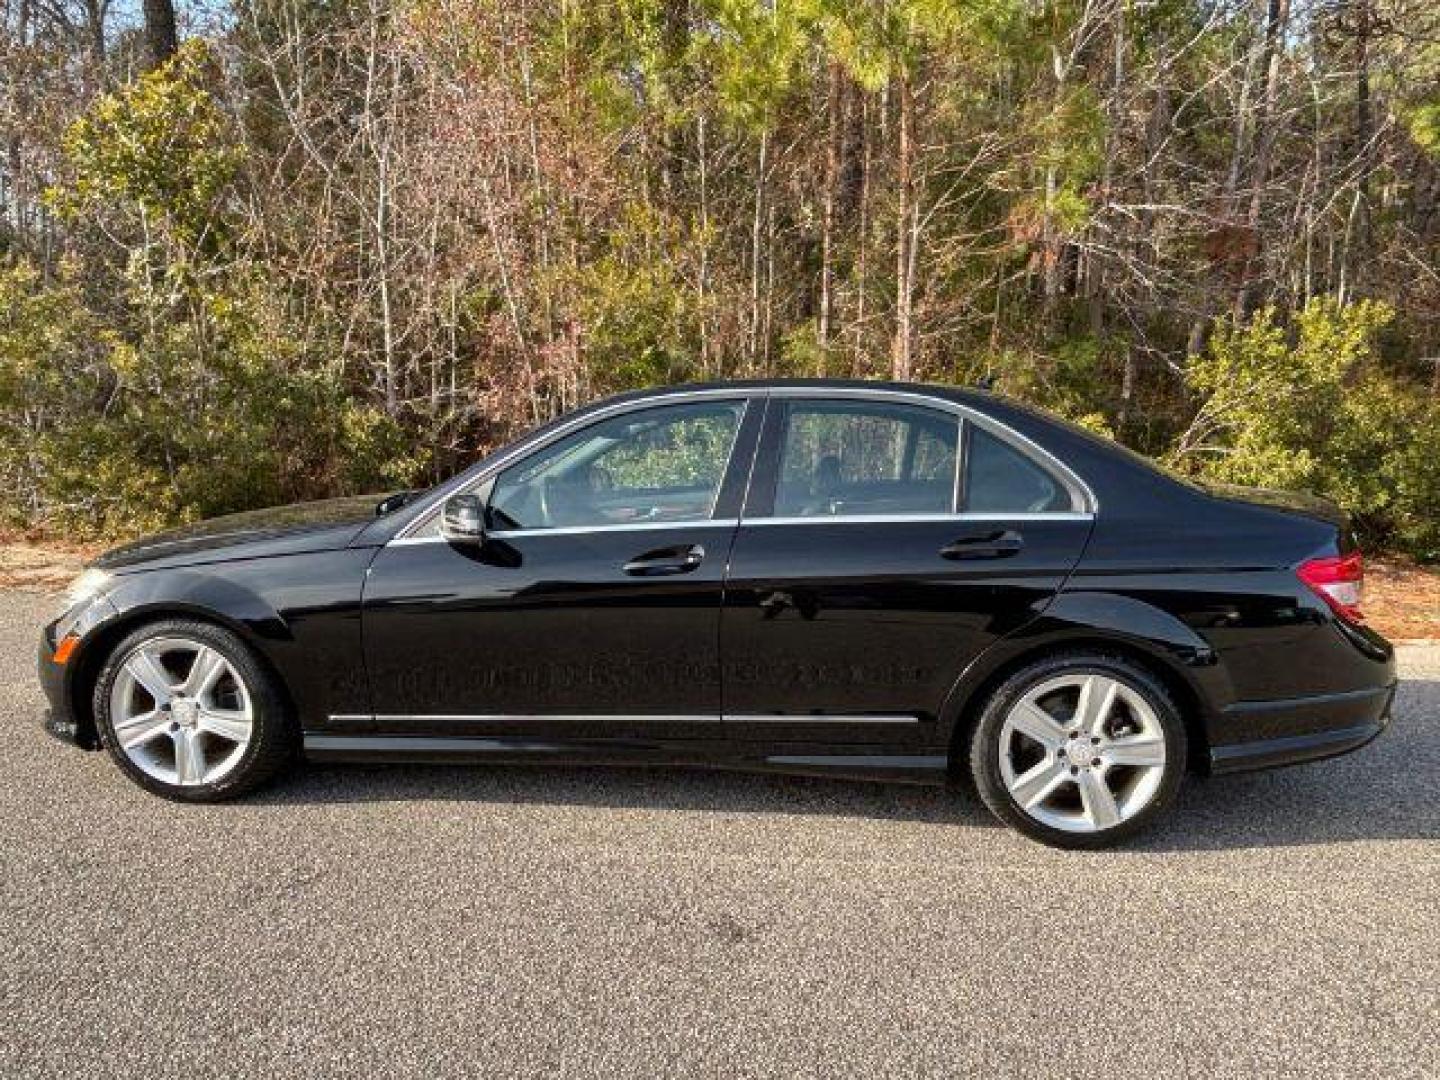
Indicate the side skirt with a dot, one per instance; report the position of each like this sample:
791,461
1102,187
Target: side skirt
861,762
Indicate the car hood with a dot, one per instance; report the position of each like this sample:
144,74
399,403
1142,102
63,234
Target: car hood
279,530
1298,502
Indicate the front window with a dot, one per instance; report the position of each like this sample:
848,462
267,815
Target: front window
661,464
848,458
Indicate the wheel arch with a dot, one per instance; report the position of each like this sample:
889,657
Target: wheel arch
977,686
90,660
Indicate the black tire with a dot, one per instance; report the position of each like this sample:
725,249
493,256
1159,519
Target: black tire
985,748
272,740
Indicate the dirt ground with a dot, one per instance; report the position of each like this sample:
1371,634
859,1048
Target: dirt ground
1402,600
38,568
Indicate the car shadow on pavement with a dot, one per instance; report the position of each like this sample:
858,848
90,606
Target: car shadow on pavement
1385,791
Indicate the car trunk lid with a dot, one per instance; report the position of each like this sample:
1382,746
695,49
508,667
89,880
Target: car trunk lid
1297,502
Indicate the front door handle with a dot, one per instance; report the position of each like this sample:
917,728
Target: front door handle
996,544
665,561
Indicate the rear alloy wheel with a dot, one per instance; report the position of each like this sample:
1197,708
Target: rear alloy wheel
189,713
1079,751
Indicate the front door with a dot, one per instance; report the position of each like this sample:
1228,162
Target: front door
884,546
592,609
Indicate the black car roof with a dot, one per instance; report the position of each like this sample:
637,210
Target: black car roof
1007,410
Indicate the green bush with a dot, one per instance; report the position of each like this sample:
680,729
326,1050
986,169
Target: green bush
105,434
170,386
1311,407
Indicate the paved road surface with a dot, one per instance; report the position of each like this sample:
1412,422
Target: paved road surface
443,922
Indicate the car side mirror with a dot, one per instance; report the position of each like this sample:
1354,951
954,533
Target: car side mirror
462,519
391,503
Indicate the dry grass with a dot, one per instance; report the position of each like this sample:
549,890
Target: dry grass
40,568
1402,599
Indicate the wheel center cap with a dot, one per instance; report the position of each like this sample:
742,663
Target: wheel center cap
1079,752
185,713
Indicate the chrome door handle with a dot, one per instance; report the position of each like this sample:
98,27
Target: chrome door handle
666,561
995,544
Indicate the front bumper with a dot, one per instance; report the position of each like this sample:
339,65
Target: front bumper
69,731
1301,729
62,718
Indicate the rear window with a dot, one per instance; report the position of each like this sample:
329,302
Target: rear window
1000,479
842,459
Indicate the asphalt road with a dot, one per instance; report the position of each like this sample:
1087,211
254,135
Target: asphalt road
446,922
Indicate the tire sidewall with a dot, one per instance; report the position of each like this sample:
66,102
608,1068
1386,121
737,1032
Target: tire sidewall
985,746
268,733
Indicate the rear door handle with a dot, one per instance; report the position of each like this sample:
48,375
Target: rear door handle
665,561
996,544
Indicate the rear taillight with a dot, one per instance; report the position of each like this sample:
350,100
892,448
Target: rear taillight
1336,579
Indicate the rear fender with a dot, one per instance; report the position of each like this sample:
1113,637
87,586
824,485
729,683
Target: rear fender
1094,619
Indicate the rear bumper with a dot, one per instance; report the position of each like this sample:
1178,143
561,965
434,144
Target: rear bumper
1301,729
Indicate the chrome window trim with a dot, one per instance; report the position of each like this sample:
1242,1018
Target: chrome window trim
738,394
744,404
811,718
1080,491
506,718
958,418
895,519
580,530
727,523
957,482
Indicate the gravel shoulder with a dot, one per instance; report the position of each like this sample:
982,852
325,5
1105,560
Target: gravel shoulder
436,922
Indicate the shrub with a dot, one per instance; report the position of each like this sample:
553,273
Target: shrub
1312,408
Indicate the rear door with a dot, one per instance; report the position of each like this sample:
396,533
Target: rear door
887,540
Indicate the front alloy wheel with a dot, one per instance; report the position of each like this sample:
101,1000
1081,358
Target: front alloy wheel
180,711
189,712
1079,751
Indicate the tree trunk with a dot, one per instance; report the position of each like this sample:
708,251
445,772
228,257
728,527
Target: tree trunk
95,11
901,362
1095,290
832,184
160,39
703,148
862,248
674,44
757,222
1364,128
14,191
1277,15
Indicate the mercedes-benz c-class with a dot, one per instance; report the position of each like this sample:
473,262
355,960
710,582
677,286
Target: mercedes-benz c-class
899,582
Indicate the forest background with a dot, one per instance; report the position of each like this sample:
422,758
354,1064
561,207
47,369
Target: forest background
270,250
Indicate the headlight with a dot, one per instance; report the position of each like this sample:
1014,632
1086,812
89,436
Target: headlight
85,587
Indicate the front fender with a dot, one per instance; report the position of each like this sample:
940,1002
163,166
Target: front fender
205,595
300,613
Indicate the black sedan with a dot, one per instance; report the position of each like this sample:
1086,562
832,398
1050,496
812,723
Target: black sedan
870,580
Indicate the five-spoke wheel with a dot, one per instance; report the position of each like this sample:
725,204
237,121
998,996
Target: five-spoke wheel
180,711
189,712
1079,750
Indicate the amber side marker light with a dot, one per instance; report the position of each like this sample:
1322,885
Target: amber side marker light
65,648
